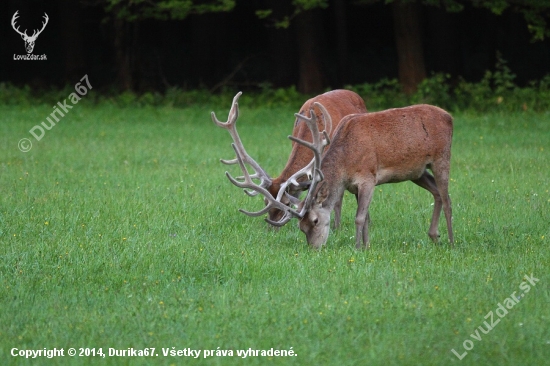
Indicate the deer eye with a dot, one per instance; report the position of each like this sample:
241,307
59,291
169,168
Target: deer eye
315,221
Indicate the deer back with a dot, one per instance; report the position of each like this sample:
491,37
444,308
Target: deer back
389,146
338,103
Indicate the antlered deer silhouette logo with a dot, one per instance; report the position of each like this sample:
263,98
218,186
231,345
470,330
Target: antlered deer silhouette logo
29,41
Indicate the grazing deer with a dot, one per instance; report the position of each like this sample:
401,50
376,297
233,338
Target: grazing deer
335,105
29,40
391,146
367,149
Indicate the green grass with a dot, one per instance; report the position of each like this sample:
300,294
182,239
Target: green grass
119,230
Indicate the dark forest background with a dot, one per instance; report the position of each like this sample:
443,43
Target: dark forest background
254,44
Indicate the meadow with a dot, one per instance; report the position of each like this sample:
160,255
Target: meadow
119,230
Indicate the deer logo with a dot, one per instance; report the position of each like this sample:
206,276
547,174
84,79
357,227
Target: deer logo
29,41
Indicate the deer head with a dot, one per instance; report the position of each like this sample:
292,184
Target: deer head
29,40
315,224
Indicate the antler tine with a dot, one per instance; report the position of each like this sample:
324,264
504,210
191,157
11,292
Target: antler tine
317,144
292,180
286,218
288,213
233,113
37,32
249,184
256,213
246,177
230,126
13,19
327,119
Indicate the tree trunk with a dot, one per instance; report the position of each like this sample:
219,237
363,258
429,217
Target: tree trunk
74,52
443,54
341,41
282,46
122,54
210,50
408,39
308,27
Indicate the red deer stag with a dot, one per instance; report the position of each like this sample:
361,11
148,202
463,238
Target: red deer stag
391,146
369,149
337,104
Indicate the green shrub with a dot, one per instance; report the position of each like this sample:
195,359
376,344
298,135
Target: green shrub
496,91
434,90
384,94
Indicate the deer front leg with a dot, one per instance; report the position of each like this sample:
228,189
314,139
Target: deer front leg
364,196
338,213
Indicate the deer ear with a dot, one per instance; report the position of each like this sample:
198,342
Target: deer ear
322,193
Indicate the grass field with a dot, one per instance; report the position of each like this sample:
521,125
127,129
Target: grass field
119,230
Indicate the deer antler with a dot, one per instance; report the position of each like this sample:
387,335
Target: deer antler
327,119
251,188
242,156
13,19
36,33
24,34
316,146
312,169
248,183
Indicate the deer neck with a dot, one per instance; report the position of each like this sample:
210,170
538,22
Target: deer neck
334,187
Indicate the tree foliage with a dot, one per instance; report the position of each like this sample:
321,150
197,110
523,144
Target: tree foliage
299,6
535,12
135,10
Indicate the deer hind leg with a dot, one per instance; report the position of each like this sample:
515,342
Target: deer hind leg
441,173
362,218
368,214
427,182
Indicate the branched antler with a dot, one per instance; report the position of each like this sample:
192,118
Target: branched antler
46,18
13,19
24,34
312,170
316,146
246,182
242,156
